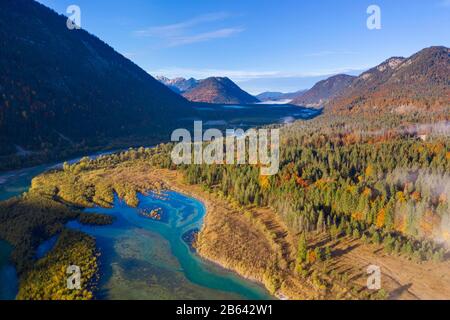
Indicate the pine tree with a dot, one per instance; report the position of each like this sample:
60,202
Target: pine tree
327,253
320,222
302,250
376,238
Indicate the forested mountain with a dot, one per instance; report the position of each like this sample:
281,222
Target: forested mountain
219,90
211,90
61,87
324,90
421,81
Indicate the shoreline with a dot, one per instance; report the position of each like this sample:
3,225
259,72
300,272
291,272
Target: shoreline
206,204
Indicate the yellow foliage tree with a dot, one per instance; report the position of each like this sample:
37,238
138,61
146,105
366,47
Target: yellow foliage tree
381,217
264,182
370,171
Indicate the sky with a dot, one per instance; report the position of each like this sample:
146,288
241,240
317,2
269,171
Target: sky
263,45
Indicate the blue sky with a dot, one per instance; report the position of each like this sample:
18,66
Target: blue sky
263,45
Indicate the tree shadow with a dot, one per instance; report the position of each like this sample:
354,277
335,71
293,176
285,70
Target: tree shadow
395,294
339,252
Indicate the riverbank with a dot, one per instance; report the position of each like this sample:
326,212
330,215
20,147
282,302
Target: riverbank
238,240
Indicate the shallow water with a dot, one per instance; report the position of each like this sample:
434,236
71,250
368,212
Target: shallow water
8,277
46,247
147,259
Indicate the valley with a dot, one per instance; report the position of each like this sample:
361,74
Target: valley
94,205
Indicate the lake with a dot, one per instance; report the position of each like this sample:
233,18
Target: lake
8,277
252,115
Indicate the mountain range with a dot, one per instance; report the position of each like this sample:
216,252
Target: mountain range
221,90
420,81
218,90
179,85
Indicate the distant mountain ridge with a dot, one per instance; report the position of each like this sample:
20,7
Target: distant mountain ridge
420,81
324,90
179,85
218,90
279,96
59,85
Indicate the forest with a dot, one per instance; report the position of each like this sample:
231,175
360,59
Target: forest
376,180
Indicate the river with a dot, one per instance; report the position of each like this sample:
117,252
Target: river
143,258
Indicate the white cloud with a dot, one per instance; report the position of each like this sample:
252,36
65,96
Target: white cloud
177,29
245,75
173,72
329,53
183,33
202,37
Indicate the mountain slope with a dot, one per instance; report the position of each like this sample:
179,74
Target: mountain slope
220,91
421,81
324,90
294,95
61,86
